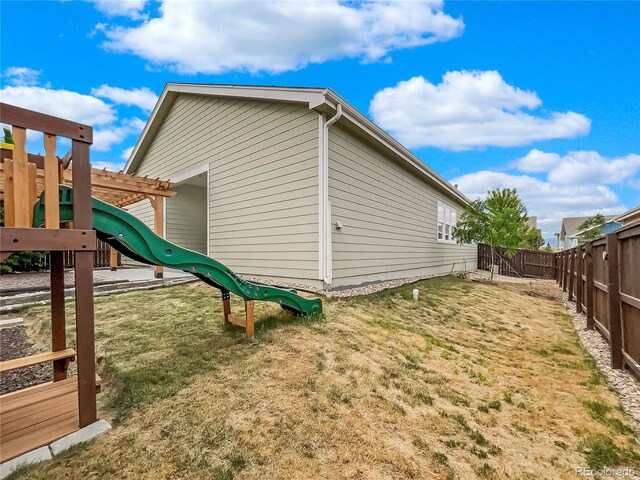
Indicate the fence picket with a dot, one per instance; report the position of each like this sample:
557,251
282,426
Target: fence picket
613,300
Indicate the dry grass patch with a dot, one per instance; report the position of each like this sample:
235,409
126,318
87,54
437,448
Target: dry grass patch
472,381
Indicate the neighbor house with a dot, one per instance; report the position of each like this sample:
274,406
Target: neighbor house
570,234
617,222
296,185
629,217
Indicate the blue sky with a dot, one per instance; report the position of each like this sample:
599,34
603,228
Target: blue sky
541,96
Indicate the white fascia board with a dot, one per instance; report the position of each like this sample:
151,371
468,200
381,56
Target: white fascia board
629,213
313,97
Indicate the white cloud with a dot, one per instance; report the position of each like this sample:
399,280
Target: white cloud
105,138
81,108
121,8
537,161
126,153
61,103
142,98
20,76
590,168
274,36
469,110
114,167
550,202
581,167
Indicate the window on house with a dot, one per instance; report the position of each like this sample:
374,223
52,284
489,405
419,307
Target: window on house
447,218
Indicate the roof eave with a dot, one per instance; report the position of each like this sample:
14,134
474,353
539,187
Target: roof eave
392,144
314,97
320,100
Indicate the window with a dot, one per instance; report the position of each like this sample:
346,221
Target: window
447,218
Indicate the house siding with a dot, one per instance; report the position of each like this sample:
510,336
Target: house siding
263,179
186,218
389,217
143,211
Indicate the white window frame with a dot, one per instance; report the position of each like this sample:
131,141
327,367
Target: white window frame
446,220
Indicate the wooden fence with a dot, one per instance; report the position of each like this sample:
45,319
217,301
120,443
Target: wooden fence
602,277
43,261
525,263
100,257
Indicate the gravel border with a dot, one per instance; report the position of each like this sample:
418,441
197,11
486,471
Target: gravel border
622,381
341,292
379,286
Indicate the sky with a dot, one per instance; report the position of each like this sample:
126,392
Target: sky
540,96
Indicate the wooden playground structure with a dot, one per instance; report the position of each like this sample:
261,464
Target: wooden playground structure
38,415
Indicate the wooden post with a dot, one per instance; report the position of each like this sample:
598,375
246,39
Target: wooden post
572,278
85,334
589,284
20,179
226,306
158,226
564,271
58,321
9,195
248,306
613,296
579,284
52,204
113,259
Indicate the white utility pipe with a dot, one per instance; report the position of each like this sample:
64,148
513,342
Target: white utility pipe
324,203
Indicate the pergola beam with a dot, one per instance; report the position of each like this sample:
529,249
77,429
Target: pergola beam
119,189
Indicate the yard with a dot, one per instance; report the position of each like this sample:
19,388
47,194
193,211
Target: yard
472,381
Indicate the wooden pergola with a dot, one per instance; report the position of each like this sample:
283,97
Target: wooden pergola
117,188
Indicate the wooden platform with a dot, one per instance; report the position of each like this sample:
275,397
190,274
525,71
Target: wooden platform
37,416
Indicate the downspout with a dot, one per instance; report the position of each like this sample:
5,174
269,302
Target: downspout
325,206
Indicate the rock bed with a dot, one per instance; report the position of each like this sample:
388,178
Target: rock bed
348,292
622,381
14,343
377,286
31,279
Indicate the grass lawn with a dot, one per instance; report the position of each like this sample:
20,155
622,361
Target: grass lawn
472,381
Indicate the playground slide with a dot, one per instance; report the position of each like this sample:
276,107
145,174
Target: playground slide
132,238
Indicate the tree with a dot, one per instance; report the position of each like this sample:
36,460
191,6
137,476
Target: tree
548,248
533,240
499,220
20,261
592,228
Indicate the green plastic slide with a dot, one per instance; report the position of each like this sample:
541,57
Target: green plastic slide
132,238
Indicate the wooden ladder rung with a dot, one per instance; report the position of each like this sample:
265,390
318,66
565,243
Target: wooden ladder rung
8,365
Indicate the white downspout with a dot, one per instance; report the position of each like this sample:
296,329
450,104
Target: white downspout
325,205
